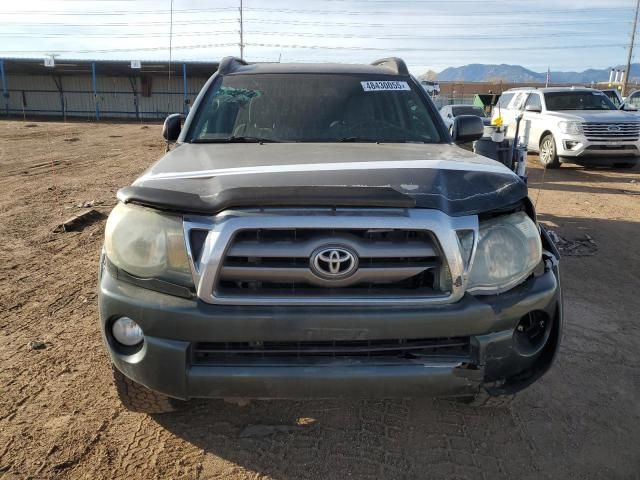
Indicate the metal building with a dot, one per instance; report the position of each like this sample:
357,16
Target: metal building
99,89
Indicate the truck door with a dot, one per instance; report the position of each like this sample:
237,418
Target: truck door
532,113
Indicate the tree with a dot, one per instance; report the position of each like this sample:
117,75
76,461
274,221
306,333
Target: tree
429,75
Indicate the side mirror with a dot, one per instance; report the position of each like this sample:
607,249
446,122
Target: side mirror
627,107
467,128
172,127
532,109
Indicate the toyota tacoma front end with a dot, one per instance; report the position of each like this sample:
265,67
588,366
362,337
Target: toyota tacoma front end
316,234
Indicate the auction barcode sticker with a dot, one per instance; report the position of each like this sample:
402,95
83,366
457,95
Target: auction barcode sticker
383,85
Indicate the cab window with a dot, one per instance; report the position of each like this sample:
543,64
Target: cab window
534,101
503,101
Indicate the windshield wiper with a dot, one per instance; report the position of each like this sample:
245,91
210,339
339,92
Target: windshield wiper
235,139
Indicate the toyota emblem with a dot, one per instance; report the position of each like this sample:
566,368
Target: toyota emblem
334,262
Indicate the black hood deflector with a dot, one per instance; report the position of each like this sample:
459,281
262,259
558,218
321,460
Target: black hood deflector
206,178
266,197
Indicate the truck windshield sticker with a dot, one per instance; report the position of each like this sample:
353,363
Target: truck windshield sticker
384,85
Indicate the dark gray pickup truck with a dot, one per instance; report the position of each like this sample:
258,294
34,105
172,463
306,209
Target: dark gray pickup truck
316,233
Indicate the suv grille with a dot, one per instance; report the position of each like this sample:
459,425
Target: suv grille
612,131
319,352
277,263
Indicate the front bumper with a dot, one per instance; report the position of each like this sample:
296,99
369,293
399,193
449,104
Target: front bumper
579,149
172,325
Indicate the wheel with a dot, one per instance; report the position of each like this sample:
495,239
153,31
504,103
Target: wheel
548,153
483,399
138,398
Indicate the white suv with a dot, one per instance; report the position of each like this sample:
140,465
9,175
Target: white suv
575,125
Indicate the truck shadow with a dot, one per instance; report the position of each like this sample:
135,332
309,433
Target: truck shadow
341,439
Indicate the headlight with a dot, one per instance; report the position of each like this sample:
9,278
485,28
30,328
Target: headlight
508,250
148,244
573,128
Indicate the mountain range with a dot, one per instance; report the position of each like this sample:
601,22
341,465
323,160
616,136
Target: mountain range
478,72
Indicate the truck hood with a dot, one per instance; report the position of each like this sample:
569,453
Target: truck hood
601,116
208,178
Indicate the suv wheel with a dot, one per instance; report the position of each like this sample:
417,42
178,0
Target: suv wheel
138,398
548,153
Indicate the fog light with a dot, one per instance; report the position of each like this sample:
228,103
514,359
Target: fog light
571,145
532,333
127,332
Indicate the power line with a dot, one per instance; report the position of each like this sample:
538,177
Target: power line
121,24
422,49
316,11
563,23
572,22
304,34
431,13
117,12
115,50
320,47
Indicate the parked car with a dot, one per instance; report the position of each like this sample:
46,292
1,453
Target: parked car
316,233
576,125
450,112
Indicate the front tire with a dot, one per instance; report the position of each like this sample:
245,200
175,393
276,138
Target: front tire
138,398
548,153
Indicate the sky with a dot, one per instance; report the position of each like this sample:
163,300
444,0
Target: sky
567,35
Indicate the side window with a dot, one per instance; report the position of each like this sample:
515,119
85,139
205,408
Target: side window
504,100
634,99
534,101
518,102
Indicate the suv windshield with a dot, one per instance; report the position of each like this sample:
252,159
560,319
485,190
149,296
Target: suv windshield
313,108
468,110
578,101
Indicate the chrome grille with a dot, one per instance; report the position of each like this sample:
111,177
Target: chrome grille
273,262
260,256
612,131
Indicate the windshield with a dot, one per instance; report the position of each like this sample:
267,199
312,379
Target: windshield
578,101
468,110
313,108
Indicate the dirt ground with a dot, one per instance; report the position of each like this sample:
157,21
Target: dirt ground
59,416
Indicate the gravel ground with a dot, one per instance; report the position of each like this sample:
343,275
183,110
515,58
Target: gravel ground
59,416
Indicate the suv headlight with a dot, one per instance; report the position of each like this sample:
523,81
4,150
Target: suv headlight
148,244
509,248
572,128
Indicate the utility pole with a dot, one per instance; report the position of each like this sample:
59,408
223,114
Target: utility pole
629,57
242,33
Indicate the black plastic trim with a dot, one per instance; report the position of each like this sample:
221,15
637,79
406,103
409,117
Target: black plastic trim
317,196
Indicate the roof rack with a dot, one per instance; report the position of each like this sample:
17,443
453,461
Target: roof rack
395,63
230,64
